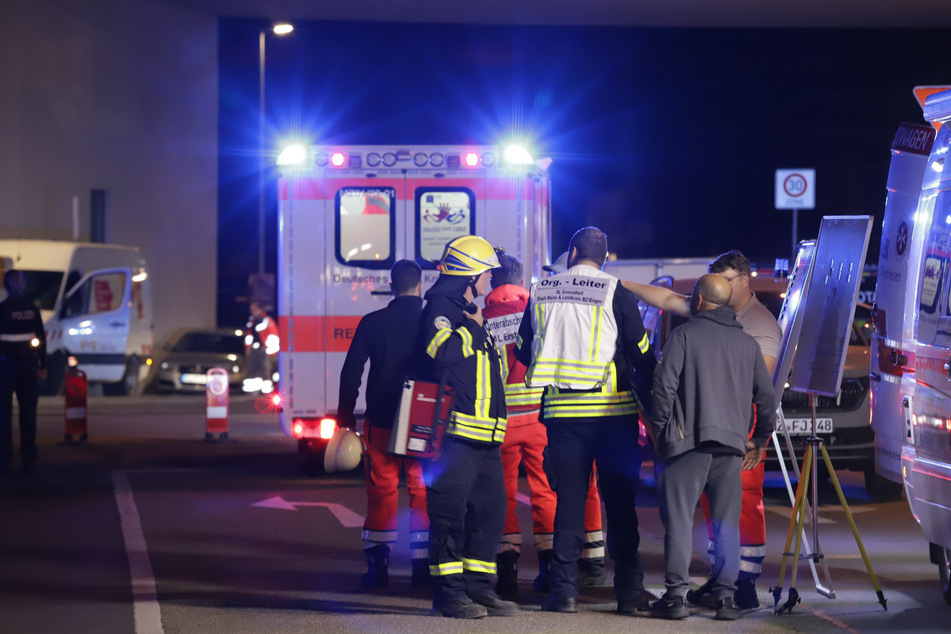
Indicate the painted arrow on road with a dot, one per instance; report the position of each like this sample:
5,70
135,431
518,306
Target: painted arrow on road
345,516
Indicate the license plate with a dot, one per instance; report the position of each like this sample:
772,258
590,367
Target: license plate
803,426
199,379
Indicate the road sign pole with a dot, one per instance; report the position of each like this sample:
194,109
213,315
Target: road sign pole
795,233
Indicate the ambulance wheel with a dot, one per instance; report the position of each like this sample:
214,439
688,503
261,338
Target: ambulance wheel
942,556
311,461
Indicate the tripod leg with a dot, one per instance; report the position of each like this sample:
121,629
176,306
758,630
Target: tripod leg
855,530
777,590
796,521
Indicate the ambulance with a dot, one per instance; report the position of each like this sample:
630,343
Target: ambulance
96,304
347,213
911,340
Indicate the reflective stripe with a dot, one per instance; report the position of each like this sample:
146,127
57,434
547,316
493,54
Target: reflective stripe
217,411
377,537
481,429
438,339
475,565
75,413
544,541
593,553
594,536
448,568
419,553
419,537
510,542
644,344
753,551
466,336
27,336
748,566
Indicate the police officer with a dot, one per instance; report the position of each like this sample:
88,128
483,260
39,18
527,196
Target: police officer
22,365
465,491
581,336
381,338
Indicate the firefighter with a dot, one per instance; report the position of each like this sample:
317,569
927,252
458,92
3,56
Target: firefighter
22,366
759,323
261,345
465,491
581,337
381,338
525,442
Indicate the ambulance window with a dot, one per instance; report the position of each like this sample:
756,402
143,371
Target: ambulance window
442,215
366,226
934,302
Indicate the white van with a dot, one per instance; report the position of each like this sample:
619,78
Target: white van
96,304
911,342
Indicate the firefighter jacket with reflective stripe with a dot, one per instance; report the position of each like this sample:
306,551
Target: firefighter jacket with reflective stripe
20,325
581,336
503,315
381,338
451,343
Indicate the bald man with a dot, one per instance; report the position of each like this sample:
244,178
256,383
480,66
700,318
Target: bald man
709,374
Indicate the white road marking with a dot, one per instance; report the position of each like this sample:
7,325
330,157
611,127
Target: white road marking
348,518
145,606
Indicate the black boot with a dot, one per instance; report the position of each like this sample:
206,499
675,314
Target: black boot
745,596
591,572
543,580
378,563
507,565
420,578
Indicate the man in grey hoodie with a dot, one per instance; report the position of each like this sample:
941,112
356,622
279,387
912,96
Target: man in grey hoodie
703,386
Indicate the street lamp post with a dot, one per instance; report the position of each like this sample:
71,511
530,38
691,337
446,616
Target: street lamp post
279,29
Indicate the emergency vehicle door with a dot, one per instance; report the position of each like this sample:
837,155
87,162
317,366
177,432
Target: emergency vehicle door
368,237
439,210
94,318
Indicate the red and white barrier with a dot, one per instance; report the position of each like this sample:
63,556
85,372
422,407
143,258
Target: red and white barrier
216,404
77,390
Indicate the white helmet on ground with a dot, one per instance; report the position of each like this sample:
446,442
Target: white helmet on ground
344,451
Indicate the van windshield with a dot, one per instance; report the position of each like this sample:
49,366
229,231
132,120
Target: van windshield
43,287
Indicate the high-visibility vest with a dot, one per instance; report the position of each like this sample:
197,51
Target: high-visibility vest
574,345
575,329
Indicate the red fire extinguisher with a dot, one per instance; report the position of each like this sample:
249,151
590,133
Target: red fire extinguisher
77,389
216,404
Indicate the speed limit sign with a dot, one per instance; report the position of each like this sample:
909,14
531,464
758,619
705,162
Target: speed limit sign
796,189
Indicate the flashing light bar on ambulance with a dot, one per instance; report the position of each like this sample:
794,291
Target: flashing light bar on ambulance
298,155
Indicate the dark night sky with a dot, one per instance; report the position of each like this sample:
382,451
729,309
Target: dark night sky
667,139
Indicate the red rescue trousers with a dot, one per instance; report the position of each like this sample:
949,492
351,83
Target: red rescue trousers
383,477
525,442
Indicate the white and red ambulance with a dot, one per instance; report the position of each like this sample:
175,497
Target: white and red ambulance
347,213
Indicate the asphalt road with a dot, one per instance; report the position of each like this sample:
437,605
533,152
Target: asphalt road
147,528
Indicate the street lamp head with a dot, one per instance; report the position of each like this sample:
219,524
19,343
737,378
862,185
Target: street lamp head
283,28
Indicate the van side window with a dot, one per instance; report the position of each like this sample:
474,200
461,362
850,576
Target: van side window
442,215
365,226
934,303
99,294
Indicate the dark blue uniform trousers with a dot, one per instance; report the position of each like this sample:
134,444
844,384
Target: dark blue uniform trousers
465,498
573,444
18,376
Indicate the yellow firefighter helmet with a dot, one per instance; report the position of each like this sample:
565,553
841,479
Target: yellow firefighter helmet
468,255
